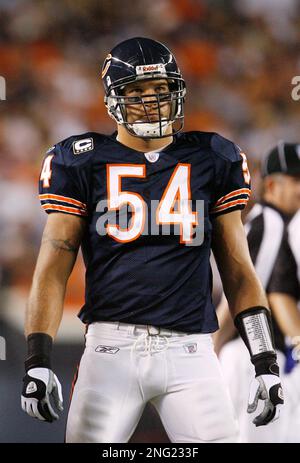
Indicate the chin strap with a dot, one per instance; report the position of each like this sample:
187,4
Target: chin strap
154,129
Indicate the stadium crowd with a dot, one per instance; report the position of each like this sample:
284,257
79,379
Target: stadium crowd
238,59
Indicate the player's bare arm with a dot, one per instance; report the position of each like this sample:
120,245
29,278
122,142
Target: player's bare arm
60,243
42,393
241,285
248,305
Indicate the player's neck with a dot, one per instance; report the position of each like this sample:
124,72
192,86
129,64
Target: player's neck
140,144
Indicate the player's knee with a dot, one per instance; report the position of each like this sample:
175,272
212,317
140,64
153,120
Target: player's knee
211,436
88,414
95,418
221,432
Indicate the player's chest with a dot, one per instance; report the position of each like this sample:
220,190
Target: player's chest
133,197
153,178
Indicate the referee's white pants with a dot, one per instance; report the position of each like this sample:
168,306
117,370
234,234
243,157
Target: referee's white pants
125,366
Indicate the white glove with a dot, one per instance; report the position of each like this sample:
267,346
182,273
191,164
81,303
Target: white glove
267,388
39,386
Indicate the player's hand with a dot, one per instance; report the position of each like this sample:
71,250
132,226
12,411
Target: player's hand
42,394
267,388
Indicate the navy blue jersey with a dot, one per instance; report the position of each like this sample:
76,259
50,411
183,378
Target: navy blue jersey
146,278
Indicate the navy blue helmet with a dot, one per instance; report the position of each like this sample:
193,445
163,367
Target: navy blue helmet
139,59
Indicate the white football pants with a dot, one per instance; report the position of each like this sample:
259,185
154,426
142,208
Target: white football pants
125,366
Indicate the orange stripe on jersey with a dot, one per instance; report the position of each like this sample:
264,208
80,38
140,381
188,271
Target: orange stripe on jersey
228,205
64,199
70,210
241,191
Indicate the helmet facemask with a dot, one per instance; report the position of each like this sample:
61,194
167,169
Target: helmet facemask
117,103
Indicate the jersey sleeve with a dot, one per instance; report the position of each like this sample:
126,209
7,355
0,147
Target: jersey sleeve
64,182
232,177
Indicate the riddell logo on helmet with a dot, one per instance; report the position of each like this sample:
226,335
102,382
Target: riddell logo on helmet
150,68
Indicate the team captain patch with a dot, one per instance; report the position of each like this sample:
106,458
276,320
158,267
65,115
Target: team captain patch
81,146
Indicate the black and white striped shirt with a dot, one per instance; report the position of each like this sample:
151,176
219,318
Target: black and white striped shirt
266,229
286,274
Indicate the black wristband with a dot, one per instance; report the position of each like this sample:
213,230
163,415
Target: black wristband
255,328
266,366
39,351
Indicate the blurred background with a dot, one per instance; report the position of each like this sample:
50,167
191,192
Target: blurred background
238,59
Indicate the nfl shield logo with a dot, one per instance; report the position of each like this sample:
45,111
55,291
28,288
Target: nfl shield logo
190,348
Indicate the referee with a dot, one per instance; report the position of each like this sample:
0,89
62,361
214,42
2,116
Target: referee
266,229
284,297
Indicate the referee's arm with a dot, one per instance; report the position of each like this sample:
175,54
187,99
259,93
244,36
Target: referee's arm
284,292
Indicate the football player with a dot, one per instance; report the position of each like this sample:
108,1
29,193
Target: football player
137,202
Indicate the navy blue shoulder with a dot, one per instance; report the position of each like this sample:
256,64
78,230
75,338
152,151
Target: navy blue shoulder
79,149
225,148
220,146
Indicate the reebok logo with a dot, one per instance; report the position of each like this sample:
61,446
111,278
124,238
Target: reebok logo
31,388
107,349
